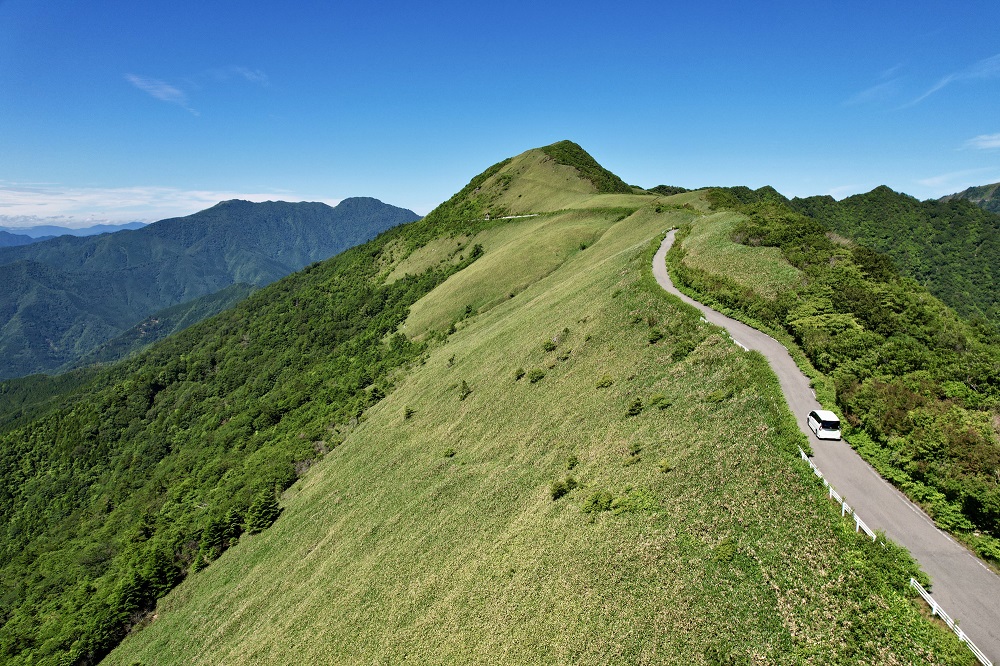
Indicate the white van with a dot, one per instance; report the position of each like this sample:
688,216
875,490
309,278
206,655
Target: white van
824,423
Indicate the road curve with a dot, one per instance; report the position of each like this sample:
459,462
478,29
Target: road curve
962,584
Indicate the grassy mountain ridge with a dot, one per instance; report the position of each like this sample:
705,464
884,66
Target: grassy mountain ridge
70,294
508,501
578,471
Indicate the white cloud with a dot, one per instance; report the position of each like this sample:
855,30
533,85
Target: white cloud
252,75
984,142
987,68
879,92
161,90
176,94
81,206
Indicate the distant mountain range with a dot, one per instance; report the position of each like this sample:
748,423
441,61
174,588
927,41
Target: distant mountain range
24,235
984,196
66,296
7,239
45,231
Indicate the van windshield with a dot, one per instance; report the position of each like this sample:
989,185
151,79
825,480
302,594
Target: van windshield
829,425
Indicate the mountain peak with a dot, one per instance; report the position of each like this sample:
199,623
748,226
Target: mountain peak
560,175
571,154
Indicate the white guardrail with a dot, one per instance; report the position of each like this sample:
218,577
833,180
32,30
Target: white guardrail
859,525
937,610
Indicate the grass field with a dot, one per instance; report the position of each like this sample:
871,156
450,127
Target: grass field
689,532
761,269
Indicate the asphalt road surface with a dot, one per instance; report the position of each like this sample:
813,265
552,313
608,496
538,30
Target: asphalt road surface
963,586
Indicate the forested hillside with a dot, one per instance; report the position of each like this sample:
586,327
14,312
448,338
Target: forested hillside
950,247
917,384
162,462
66,296
984,196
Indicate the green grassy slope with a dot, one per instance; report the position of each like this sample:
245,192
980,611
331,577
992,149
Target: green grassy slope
582,472
917,384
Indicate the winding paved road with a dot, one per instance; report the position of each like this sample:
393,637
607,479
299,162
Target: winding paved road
962,584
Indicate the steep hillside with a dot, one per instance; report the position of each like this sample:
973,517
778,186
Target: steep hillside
562,464
986,197
950,247
163,323
66,296
917,384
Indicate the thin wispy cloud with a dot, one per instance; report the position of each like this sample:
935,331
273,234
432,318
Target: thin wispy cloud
80,206
180,93
161,90
984,142
954,181
988,68
887,88
880,92
252,75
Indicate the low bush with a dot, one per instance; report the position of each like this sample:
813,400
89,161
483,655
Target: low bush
562,488
659,401
598,502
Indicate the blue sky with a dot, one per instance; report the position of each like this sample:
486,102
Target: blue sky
142,110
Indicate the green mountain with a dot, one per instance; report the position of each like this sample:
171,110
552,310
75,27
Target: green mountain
67,296
986,197
470,440
950,247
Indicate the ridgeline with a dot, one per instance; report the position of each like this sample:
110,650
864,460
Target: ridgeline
472,439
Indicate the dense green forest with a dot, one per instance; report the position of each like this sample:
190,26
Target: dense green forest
149,470
66,296
163,323
950,247
917,384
